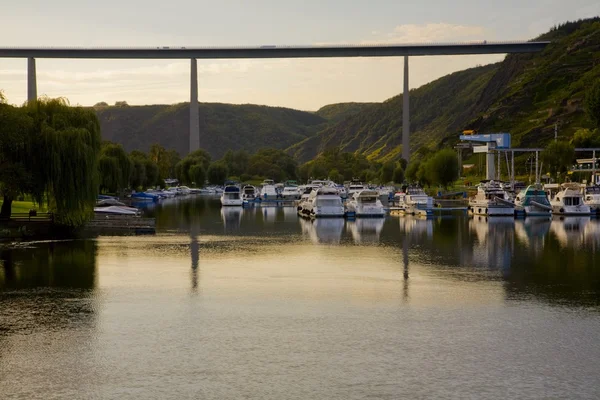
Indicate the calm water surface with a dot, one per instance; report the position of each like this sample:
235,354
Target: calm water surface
225,304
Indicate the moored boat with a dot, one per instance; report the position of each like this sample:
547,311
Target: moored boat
290,192
491,201
267,191
592,198
231,196
568,200
533,201
248,193
417,202
323,202
365,203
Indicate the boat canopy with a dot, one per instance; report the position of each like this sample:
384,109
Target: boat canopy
232,189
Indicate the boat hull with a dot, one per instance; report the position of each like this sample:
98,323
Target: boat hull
571,210
492,211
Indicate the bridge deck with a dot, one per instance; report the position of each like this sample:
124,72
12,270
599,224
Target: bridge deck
431,49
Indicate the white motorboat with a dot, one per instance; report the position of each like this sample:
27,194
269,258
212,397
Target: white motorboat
231,196
568,200
355,187
366,203
533,201
491,200
323,202
592,198
290,192
267,191
248,193
417,202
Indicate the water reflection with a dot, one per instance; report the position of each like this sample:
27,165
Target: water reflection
570,231
323,230
532,232
416,227
366,230
47,285
232,218
494,243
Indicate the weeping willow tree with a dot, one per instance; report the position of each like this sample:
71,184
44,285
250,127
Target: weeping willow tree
15,145
115,167
64,159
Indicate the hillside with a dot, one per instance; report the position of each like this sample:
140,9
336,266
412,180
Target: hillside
440,106
340,111
526,94
222,126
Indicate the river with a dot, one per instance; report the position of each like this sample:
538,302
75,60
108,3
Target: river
256,303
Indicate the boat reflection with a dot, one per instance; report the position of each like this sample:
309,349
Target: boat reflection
290,214
569,231
416,226
323,230
231,217
494,244
532,232
269,213
366,230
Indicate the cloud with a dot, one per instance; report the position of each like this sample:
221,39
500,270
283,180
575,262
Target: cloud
433,32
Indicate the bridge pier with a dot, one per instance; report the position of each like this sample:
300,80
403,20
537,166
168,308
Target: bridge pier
405,115
194,114
31,80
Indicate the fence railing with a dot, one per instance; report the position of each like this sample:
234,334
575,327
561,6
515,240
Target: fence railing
33,217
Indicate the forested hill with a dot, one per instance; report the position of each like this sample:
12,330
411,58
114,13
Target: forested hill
222,126
340,111
525,95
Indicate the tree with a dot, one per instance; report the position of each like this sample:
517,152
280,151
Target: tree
152,173
197,174
137,176
423,174
412,170
16,176
398,176
592,103
335,176
217,173
101,104
182,169
57,149
442,168
558,156
386,173
236,161
586,138
64,159
121,104
114,174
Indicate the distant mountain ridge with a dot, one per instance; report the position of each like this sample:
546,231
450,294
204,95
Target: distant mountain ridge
222,126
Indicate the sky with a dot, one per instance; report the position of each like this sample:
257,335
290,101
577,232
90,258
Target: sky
305,84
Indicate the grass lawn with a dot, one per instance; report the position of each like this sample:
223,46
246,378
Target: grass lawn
24,207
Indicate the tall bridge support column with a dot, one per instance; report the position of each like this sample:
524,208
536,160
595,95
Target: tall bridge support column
490,170
194,115
31,80
405,115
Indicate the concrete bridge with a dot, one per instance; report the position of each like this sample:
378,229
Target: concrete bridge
269,51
